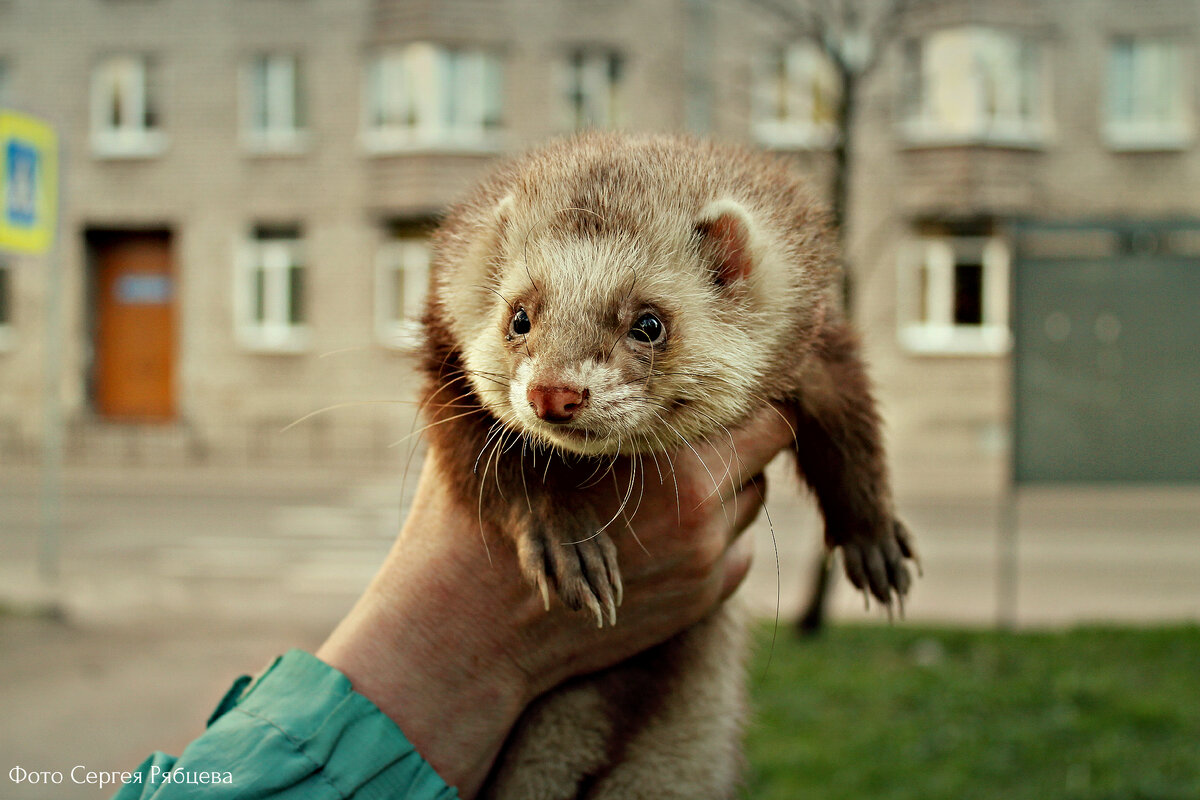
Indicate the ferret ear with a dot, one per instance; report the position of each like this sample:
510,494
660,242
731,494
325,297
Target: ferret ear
727,227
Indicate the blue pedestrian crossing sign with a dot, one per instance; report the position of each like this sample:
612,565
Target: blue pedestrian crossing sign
28,183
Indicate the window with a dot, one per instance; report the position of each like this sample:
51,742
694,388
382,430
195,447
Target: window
973,85
592,91
1147,107
273,118
6,305
402,278
270,290
428,96
797,92
125,113
954,296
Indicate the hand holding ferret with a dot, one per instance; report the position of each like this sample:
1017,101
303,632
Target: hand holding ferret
453,647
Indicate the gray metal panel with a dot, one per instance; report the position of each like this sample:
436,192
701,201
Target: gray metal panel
1107,363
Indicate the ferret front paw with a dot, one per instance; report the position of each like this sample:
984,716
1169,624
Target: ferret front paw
583,572
877,563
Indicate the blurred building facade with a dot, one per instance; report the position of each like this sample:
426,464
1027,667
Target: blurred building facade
248,185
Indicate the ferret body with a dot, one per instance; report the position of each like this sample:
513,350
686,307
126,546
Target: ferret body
609,296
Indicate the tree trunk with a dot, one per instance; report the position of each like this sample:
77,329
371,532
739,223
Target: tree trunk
812,620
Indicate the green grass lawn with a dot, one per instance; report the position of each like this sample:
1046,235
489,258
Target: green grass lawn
908,712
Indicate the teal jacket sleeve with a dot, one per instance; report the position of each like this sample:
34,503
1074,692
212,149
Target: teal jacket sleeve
299,731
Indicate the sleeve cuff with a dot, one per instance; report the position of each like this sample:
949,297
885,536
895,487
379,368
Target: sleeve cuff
300,730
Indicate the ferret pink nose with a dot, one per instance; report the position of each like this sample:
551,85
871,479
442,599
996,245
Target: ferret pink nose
556,403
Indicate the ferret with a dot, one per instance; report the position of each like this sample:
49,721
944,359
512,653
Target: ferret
609,296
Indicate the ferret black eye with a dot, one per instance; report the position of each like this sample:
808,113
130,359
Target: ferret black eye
520,324
648,328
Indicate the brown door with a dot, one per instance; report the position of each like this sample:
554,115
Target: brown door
135,326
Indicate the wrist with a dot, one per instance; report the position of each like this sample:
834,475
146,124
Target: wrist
426,645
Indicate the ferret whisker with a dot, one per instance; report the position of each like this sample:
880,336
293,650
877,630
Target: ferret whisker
588,482
633,283
698,458
337,406
496,426
641,484
486,376
620,508
674,479
497,453
343,350
503,299
657,468
420,410
421,430
778,579
615,343
524,485
732,449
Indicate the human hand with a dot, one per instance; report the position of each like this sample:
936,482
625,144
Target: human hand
452,643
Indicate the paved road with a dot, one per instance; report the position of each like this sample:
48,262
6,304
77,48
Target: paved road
175,581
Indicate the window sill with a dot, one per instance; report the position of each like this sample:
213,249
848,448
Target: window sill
384,143
956,340
775,136
278,144
1146,140
923,138
280,341
125,145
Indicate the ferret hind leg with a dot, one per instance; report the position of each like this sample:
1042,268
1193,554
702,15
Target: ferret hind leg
564,736
685,702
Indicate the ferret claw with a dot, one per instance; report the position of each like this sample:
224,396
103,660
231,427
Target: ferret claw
594,607
877,567
584,574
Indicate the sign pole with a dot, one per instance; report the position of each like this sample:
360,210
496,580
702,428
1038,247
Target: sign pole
52,421
30,187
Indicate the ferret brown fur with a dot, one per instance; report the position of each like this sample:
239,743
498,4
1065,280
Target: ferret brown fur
540,349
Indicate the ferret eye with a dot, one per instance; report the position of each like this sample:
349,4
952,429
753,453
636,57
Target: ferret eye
520,324
648,328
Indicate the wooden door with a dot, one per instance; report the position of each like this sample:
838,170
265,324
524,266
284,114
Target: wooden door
135,327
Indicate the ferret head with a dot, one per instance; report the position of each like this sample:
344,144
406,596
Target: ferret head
607,308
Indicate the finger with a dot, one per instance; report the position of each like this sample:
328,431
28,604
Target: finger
753,445
736,564
747,503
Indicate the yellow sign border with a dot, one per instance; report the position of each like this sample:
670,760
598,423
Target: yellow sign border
42,138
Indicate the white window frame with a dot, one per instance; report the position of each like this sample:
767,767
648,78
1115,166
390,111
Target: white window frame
784,112
408,256
1156,63
275,257
959,69
587,75
424,97
134,138
937,333
285,131
8,337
